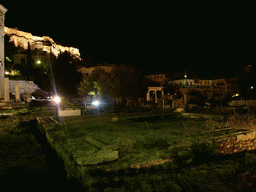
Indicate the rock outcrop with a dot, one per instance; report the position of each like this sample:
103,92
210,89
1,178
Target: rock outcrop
45,43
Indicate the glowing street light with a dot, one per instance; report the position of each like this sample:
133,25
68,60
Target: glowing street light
95,103
56,99
38,62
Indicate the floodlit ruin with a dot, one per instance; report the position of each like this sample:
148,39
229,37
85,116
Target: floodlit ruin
45,43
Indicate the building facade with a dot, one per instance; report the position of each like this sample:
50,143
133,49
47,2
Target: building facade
2,18
157,78
189,83
86,71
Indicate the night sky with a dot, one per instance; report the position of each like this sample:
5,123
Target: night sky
155,38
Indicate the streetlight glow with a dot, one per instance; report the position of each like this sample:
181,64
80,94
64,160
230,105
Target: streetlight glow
56,99
38,62
96,103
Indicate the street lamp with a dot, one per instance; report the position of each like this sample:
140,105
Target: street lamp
38,62
185,81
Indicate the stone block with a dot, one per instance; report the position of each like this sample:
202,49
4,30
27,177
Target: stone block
248,136
248,148
98,157
97,144
250,144
236,103
65,113
179,110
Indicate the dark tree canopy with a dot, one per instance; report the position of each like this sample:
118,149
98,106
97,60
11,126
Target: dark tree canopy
247,82
123,82
66,76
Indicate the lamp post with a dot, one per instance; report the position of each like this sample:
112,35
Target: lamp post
185,78
185,81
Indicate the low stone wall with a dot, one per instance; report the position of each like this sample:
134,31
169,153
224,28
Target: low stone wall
238,103
237,143
69,112
26,87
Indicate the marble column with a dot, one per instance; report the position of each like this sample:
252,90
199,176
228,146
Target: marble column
185,98
6,89
148,95
2,18
17,92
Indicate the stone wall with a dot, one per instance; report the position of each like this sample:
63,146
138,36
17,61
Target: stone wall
237,143
238,103
26,87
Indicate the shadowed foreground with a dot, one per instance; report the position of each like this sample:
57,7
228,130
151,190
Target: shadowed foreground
24,164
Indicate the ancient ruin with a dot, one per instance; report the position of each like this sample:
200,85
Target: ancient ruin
2,15
45,43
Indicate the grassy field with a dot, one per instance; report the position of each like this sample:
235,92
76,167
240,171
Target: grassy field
141,137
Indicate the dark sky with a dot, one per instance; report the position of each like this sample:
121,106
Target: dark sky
157,37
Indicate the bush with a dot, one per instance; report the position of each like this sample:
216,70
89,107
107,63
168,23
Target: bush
182,156
204,150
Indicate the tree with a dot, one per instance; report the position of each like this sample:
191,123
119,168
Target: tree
246,81
66,76
123,82
10,51
90,84
29,67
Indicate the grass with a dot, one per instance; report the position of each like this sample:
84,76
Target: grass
139,138
143,137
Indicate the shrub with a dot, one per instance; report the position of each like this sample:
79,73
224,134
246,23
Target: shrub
182,156
204,150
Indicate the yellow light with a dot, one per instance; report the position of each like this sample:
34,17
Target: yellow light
57,99
6,73
38,62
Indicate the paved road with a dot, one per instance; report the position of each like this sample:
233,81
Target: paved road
24,164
